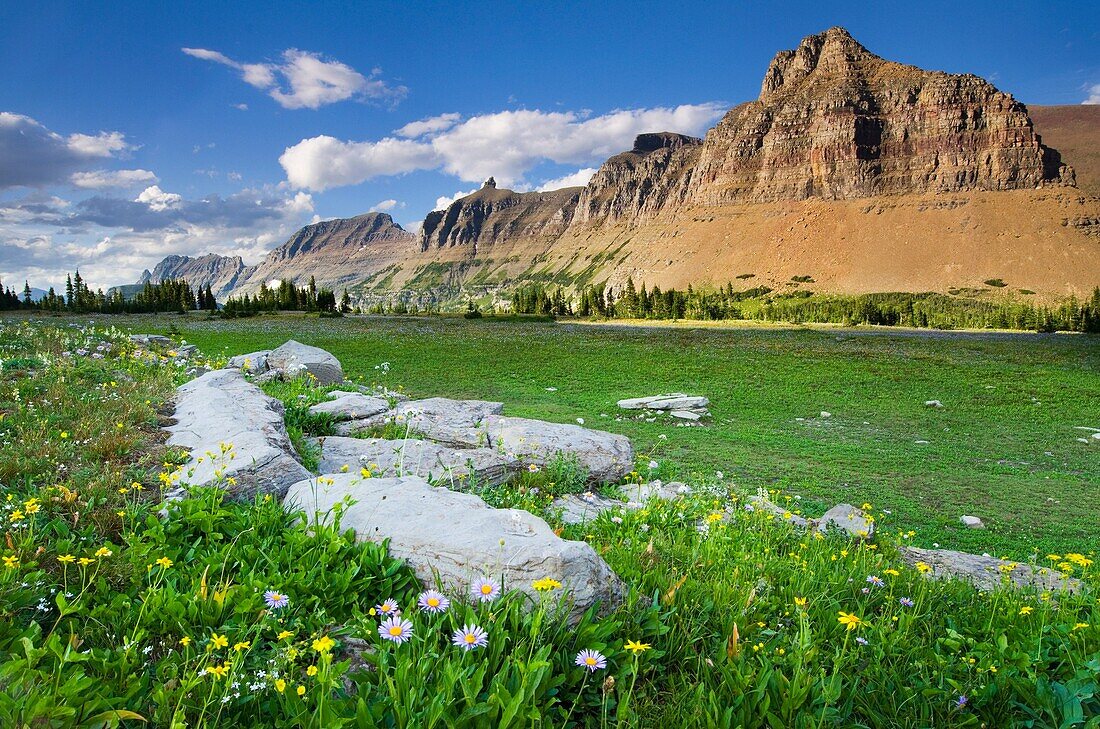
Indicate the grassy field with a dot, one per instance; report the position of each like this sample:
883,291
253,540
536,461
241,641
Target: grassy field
1003,446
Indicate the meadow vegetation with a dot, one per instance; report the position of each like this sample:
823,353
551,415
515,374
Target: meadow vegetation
119,610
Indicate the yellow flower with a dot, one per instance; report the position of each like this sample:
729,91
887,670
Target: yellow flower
866,506
218,641
1026,610
365,472
546,584
344,468
800,602
66,559
636,647
242,645
64,435
31,507
851,622
185,641
164,562
714,516
218,671
893,572
284,634
280,685
292,653
84,561
103,552
311,671
11,562
322,644
16,515
923,567
301,690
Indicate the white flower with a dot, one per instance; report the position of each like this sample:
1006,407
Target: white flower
653,465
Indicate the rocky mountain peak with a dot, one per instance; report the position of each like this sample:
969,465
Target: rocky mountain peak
652,141
490,183
833,52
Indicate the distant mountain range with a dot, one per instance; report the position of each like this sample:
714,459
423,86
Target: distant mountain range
853,172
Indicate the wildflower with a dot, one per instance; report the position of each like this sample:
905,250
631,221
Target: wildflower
218,641
388,606
11,562
301,690
433,602
1080,626
66,559
470,637
654,465
396,629
311,671
164,562
85,561
103,552
905,602
64,435
534,468
850,621
280,685
31,507
185,641
323,644
344,468
636,647
866,506
876,581
961,701
365,472
241,646
800,602
891,572
1026,610
592,660
862,641
546,584
714,516
923,567
276,600
284,634
218,671
485,590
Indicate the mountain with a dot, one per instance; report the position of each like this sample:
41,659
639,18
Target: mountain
221,273
849,173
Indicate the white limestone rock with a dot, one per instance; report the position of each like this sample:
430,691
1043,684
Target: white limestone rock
253,363
294,357
669,401
450,467
351,406
988,573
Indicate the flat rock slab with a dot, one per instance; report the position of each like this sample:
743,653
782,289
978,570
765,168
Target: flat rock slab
458,423
439,464
583,508
293,357
988,573
670,401
151,340
457,538
253,363
351,406
222,407
606,456
847,519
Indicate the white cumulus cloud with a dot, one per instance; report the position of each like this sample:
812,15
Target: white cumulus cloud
505,145
157,199
431,125
579,178
306,80
386,205
444,202
33,156
1093,94
103,179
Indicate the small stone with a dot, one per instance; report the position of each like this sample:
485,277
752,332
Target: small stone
685,415
933,404
826,414
972,522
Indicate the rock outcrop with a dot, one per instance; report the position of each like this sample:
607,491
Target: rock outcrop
236,436
835,121
987,573
456,538
294,358
220,273
451,467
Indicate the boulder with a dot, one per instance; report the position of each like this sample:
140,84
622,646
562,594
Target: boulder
351,406
670,401
606,456
355,427
583,508
972,522
439,464
294,357
151,340
987,573
222,409
458,423
252,363
454,538
847,518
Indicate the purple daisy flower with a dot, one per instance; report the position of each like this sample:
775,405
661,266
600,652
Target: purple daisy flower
396,629
485,590
433,602
905,602
875,580
961,701
276,600
470,637
592,660
388,606
862,641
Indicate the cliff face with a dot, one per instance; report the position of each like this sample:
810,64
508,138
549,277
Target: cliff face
335,252
220,273
634,186
490,215
835,121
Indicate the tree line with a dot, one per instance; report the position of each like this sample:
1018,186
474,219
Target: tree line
922,310
287,297
78,298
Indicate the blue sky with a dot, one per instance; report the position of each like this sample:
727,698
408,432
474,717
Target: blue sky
117,146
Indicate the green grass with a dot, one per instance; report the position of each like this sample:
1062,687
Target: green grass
117,610
1004,446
